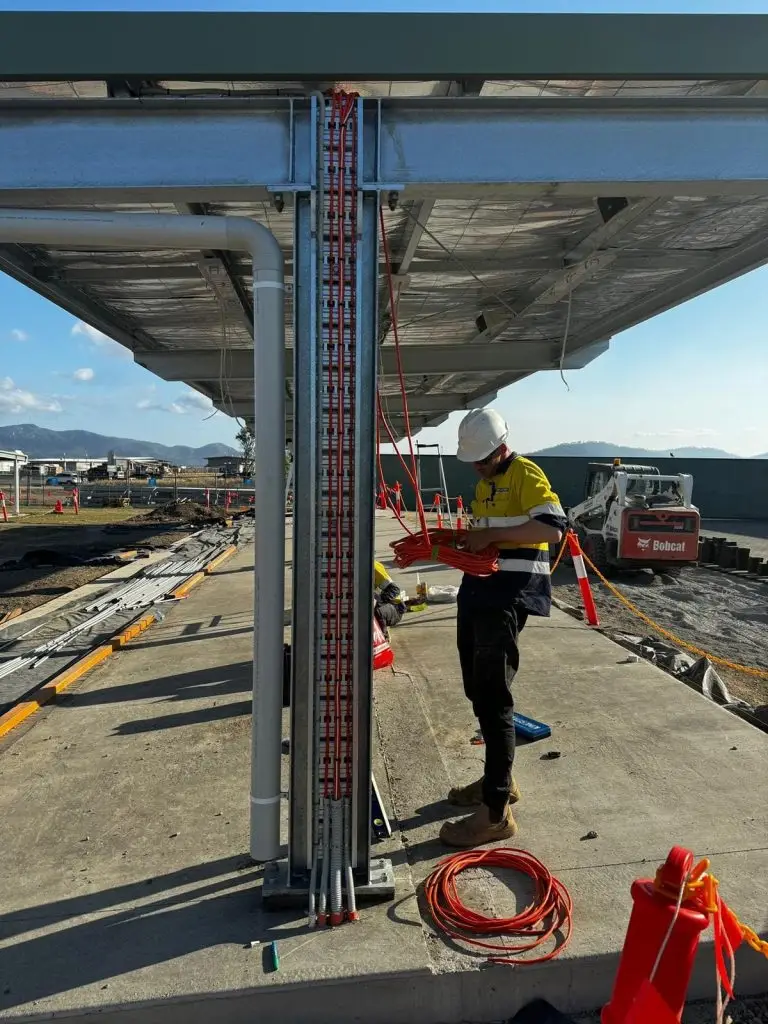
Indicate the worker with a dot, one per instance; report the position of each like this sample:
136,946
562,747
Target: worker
516,511
388,605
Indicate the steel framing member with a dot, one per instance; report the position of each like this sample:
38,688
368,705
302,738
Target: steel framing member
313,446
464,148
418,360
332,47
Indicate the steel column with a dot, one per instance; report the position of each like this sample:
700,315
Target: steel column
305,617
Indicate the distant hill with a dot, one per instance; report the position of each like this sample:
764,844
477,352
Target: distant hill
39,443
606,450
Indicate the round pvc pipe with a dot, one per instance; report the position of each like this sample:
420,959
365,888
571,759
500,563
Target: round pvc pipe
170,231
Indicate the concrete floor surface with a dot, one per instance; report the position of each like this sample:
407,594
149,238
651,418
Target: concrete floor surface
126,889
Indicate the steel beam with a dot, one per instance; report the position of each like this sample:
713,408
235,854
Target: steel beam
437,147
418,360
217,270
418,404
23,265
592,253
626,258
408,47
87,151
417,225
487,147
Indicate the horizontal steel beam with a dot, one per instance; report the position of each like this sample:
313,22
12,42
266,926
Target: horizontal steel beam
418,360
626,259
488,147
330,47
433,148
418,405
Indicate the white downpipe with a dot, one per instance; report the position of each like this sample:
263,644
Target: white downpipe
161,231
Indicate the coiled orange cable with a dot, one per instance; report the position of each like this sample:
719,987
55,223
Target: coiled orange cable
441,546
549,915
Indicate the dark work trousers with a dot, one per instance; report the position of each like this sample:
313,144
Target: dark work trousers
488,652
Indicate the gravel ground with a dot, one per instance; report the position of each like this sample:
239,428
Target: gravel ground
743,1011
724,615
29,588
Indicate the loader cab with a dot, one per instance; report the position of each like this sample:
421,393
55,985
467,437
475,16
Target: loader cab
599,475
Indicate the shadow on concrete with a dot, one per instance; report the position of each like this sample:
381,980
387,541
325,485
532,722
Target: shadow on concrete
190,633
440,810
208,683
134,926
216,713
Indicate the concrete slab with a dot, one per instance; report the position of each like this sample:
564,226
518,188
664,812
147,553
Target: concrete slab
126,886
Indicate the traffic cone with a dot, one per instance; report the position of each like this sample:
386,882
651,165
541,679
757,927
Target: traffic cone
398,499
590,610
459,513
438,504
58,508
383,655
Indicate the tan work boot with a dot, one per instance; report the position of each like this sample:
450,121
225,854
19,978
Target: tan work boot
478,829
472,795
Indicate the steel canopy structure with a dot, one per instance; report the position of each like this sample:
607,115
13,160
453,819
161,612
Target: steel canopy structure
533,212
545,182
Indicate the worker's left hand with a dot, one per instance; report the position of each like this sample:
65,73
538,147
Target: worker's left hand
475,540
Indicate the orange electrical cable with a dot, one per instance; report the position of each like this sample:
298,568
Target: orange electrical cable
429,545
440,546
550,913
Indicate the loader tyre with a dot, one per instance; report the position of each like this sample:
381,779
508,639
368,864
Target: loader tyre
594,548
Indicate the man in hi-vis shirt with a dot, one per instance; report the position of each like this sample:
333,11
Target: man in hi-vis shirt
516,511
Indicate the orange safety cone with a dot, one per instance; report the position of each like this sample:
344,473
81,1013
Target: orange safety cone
438,504
398,499
459,513
383,655
590,610
58,508
2,505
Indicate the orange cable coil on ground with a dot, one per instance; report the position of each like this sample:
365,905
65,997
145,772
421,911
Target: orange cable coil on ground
549,914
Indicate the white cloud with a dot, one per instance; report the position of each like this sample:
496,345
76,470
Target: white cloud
85,373
99,340
18,335
16,400
190,402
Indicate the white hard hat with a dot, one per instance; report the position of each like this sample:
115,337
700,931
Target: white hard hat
481,432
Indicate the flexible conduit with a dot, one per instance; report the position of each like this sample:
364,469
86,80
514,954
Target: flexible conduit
162,231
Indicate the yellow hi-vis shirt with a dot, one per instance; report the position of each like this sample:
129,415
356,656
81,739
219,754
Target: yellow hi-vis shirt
518,493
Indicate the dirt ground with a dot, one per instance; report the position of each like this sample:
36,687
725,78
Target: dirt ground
723,615
86,535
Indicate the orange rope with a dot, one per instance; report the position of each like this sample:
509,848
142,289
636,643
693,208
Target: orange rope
550,912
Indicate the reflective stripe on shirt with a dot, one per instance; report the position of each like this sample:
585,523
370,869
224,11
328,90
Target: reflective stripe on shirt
501,522
550,509
528,565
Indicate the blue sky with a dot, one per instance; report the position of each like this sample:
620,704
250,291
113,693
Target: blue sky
703,366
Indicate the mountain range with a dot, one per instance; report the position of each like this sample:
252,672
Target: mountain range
40,443
607,450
